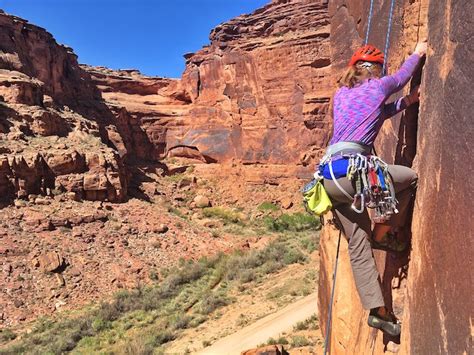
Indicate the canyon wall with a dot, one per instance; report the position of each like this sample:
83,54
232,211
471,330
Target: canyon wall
53,123
424,286
258,93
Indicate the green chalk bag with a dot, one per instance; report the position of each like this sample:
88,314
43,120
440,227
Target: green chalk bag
315,198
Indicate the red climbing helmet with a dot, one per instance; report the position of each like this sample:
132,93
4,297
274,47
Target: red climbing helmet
367,53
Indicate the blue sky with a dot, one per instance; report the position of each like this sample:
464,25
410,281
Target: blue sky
149,35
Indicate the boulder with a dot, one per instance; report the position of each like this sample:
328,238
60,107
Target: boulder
201,201
266,350
49,262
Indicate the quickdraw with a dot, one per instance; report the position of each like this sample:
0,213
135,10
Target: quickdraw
373,185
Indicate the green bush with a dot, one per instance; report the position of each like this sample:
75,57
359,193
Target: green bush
298,340
293,256
163,338
6,335
271,341
296,222
247,276
181,321
211,302
138,346
310,243
301,326
99,324
268,206
226,215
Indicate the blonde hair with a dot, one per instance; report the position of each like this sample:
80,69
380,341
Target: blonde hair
359,72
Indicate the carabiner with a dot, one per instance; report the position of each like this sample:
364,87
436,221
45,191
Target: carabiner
362,203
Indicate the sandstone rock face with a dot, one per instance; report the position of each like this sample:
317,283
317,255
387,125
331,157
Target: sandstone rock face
53,124
258,93
419,286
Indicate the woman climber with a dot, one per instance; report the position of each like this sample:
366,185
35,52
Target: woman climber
353,178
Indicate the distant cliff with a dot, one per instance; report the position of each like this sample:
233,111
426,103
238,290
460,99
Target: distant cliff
258,93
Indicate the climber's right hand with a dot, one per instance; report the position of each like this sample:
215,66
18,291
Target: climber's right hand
421,48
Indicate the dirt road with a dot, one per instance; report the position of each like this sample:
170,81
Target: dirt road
270,326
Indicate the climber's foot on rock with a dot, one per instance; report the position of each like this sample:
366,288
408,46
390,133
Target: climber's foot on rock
389,242
386,321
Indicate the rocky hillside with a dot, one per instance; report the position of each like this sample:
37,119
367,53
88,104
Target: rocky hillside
425,287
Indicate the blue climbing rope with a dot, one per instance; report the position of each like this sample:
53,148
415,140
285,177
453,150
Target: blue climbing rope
369,22
387,37
328,325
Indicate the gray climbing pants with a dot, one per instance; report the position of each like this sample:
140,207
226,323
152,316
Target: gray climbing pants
357,229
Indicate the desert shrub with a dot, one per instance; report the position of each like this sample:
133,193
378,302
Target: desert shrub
153,275
309,243
272,341
211,302
226,215
6,335
163,337
178,277
299,340
99,324
137,346
180,321
198,319
247,276
310,323
272,266
267,206
296,222
293,256
301,326
176,177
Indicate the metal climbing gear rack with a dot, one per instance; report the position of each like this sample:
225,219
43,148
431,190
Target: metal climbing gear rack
373,185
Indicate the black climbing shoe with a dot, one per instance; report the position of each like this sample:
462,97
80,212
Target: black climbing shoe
389,242
387,324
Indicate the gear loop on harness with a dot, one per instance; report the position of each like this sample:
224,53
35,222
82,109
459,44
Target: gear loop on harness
373,185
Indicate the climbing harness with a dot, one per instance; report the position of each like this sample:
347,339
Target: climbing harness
374,187
331,300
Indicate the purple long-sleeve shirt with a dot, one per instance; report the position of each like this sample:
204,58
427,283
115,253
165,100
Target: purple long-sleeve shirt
360,112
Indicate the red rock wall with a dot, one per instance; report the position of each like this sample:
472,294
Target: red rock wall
53,124
257,93
440,287
420,287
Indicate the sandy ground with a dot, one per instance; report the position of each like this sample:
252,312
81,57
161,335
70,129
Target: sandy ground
270,326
